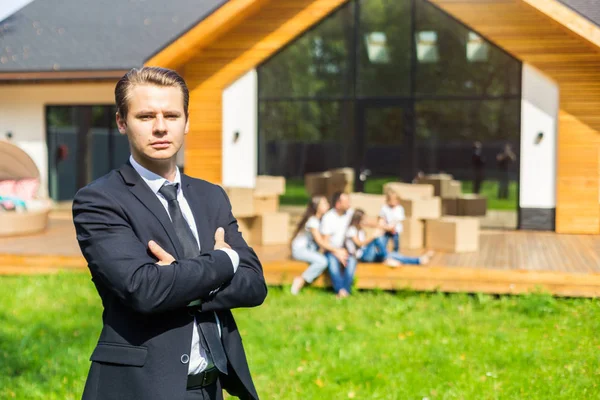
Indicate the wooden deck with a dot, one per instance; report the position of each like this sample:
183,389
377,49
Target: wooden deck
508,262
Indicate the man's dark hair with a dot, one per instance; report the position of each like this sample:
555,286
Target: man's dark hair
335,198
148,76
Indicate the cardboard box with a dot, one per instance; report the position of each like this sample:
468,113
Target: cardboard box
413,236
472,205
334,187
271,228
370,203
343,177
410,190
436,183
442,176
422,208
453,234
265,203
244,226
440,182
339,182
266,184
454,189
450,206
349,172
242,201
316,183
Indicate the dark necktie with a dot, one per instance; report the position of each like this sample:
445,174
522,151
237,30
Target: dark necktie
210,335
182,229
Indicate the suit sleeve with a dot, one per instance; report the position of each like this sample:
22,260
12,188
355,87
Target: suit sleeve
124,264
248,287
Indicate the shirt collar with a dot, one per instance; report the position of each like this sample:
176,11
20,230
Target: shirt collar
154,181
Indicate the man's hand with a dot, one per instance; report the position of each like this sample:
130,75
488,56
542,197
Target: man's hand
164,258
341,255
220,240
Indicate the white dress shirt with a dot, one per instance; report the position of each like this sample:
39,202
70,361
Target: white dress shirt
198,360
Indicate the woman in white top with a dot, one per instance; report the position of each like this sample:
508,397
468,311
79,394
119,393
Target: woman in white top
373,249
306,243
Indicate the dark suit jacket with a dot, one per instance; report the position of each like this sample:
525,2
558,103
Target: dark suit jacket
147,328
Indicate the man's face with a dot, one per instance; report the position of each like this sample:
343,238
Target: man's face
155,124
344,203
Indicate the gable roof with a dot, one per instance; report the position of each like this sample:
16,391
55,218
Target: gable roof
92,35
589,9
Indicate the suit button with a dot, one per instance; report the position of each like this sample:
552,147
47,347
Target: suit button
185,359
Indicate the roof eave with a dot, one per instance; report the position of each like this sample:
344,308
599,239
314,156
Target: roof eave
21,76
568,18
204,33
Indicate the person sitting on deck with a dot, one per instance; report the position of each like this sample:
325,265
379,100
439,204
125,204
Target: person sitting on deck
372,248
307,240
333,228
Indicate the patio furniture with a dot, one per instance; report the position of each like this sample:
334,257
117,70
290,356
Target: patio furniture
16,165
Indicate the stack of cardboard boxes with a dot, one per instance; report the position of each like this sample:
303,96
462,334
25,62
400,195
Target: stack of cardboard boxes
425,225
453,201
438,215
256,211
328,182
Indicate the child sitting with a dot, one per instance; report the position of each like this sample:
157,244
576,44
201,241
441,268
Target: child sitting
373,248
391,217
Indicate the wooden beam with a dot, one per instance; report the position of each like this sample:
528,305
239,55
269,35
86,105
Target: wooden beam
568,18
61,75
371,276
449,279
186,46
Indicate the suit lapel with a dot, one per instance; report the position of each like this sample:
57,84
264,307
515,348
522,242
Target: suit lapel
198,203
144,194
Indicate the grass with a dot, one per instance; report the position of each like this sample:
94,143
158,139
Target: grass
375,345
490,190
296,194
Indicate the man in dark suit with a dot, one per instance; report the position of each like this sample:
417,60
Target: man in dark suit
167,260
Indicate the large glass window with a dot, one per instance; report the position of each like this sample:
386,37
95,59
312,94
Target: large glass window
304,136
391,88
456,61
446,131
383,48
83,144
318,64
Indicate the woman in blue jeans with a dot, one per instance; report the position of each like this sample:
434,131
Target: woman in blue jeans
373,249
306,243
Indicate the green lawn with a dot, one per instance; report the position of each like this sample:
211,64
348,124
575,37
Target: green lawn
375,345
490,190
296,194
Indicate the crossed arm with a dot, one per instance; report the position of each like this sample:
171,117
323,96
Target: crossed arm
119,259
247,288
